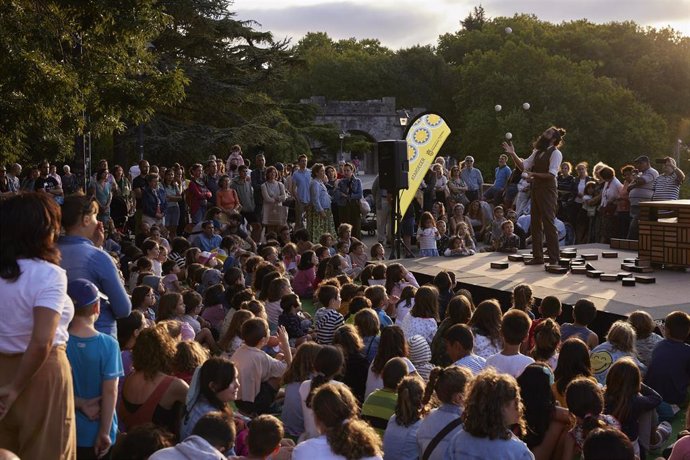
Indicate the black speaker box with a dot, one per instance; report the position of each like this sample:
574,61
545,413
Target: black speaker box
393,165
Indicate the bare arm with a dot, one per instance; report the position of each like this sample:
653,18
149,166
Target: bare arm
510,150
42,335
108,398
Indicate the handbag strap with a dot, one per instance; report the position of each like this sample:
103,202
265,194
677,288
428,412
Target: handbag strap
439,437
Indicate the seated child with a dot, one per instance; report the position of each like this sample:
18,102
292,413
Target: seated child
293,319
584,313
514,328
379,300
358,258
259,373
170,273
327,319
368,326
669,369
647,339
459,347
379,406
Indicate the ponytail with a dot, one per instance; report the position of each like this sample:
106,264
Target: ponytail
316,381
410,401
327,364
429,390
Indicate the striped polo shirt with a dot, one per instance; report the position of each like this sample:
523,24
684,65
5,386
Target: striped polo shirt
327,322
378,408
474,363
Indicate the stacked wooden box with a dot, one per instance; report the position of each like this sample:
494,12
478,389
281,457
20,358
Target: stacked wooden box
665,241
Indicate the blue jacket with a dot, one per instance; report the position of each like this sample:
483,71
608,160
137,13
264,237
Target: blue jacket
320,198
153,198
81,259
348,190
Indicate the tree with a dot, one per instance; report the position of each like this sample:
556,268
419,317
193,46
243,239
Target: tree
69,67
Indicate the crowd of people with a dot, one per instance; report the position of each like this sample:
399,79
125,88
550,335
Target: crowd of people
157,313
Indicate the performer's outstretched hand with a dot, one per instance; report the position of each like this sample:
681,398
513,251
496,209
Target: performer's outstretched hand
508,148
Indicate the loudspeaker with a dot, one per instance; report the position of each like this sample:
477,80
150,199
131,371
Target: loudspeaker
393,165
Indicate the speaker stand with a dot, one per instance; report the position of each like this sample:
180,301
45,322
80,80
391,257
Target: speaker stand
396,219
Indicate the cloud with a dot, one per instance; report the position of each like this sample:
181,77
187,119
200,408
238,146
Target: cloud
394,27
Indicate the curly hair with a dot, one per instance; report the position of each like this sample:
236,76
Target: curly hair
336,409
153,352
489,393
189,355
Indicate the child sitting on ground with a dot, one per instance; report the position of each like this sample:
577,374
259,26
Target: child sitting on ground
584,313
259,374
379,300
459,347
647,339
293,319
368,326
378,252
265,437
507,241
550,307
514,328
96,366
171,272
358,258
457,248
347,292
379,406
327,319
497,228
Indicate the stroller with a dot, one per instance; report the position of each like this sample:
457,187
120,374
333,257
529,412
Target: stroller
368,213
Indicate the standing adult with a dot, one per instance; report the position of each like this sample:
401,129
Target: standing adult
138,186
13,174
173,196
319,216
608,204
347,194
155,202
641,189
103,193
82,257
623,203
581,218
36,392
122,204
70,183
53,173
197,194
566,197
245,193
473,179
258,177
273,193
667,184
542,168
211,179
384,229
300,190
501,174
46,183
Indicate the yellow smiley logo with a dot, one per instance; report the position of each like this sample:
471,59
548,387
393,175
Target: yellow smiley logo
601,361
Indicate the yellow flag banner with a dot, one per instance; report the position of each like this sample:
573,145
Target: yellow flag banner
424,140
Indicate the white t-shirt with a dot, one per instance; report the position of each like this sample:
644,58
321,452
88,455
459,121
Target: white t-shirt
319,448
310,430
375,381
426,327
41,284
509,364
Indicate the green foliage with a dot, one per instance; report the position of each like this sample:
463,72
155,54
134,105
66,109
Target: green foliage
67,68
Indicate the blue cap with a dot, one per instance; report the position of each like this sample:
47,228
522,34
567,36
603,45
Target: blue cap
84,293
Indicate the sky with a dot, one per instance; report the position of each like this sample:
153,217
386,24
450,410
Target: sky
404,23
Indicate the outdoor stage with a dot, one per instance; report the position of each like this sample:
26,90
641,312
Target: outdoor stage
670,292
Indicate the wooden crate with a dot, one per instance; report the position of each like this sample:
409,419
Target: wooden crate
667,240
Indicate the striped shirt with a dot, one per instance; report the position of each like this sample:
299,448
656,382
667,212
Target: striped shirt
327,322
378,408
474,363
666,187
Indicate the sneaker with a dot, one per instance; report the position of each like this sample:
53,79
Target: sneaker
663,431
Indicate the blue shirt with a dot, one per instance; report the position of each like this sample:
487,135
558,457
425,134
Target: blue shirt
93,360
400,442
464,445
301,180
81,259
473,178
669,370
501,176
474,363
384,319
208,244
320,198
435,422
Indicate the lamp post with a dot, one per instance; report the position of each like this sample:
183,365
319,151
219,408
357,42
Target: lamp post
342,137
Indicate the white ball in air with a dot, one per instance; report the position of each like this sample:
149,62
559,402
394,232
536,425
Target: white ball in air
509,136
509,30
526,106
498,108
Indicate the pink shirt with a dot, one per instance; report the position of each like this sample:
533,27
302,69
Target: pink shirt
214,314
303,282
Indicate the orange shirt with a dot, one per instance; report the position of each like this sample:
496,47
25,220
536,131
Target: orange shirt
227,199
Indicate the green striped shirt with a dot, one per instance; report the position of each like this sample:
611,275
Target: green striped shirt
378,408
